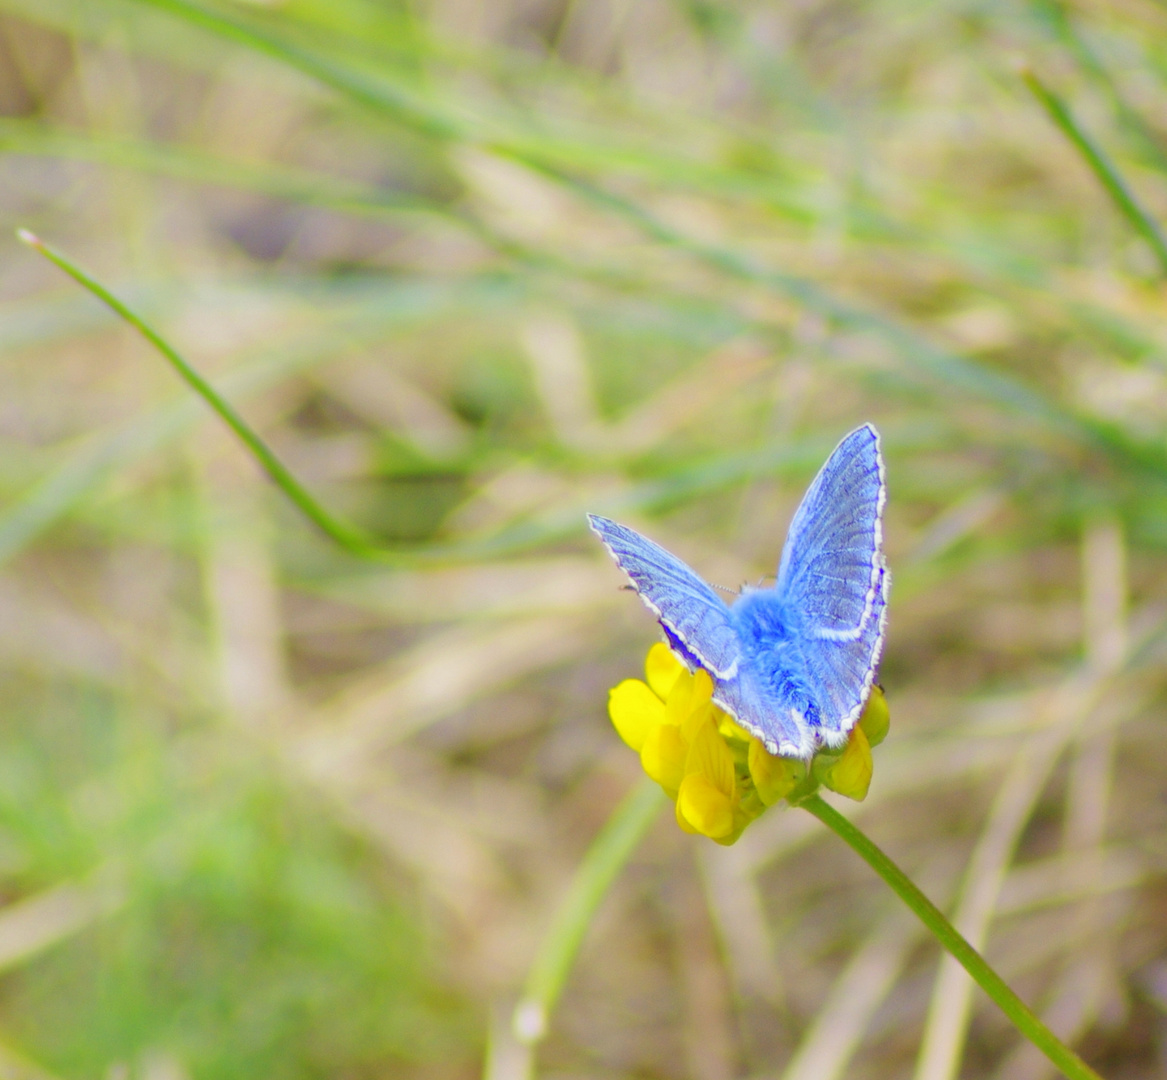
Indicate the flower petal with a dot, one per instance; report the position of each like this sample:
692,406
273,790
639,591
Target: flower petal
635,710
662,669
677,702
709,756
690,703
704,807
663,757
729,727
682,821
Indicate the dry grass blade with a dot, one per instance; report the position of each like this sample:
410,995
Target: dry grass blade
431,681
828,1046
45,919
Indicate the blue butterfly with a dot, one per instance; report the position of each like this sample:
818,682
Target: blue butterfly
793,663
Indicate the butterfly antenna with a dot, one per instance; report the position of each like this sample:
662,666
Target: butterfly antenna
722,588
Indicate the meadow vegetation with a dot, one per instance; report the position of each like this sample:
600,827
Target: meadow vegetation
473,269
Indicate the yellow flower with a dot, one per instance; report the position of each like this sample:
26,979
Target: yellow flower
719,775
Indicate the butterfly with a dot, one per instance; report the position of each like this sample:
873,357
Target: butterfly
793,663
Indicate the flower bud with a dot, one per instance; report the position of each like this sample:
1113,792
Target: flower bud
850,772
774,777
876,717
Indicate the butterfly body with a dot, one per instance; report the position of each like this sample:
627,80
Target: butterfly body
794,663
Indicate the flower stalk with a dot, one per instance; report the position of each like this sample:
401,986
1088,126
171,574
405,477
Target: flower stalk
618,840
720,778
1022,1017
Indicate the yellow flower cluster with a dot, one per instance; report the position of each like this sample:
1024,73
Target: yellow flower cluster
720,776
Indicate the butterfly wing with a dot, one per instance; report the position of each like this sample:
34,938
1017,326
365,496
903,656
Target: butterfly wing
692,614
834,576
769,711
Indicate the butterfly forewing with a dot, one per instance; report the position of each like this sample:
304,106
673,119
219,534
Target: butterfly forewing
833,558
833,575
679,598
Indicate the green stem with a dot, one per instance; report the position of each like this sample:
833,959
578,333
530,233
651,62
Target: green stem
1022,1017
609,852
347,536
1101,165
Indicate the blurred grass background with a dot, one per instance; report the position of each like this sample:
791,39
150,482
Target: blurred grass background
475,268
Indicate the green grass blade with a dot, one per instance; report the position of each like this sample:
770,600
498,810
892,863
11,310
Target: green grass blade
1066,32
1100,164
935,362
379,94
185,163
607,855
346,535
366,316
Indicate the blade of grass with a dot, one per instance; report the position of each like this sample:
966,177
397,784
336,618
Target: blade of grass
64,487
607,855
343,533
390,98
949,1011
829,1043
1100,164
390,95
184,163
55,494
1066,31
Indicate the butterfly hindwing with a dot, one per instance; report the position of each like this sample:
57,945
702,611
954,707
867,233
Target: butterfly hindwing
689,609
765,711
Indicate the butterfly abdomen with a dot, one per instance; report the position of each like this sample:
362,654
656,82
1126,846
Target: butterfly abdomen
770,633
